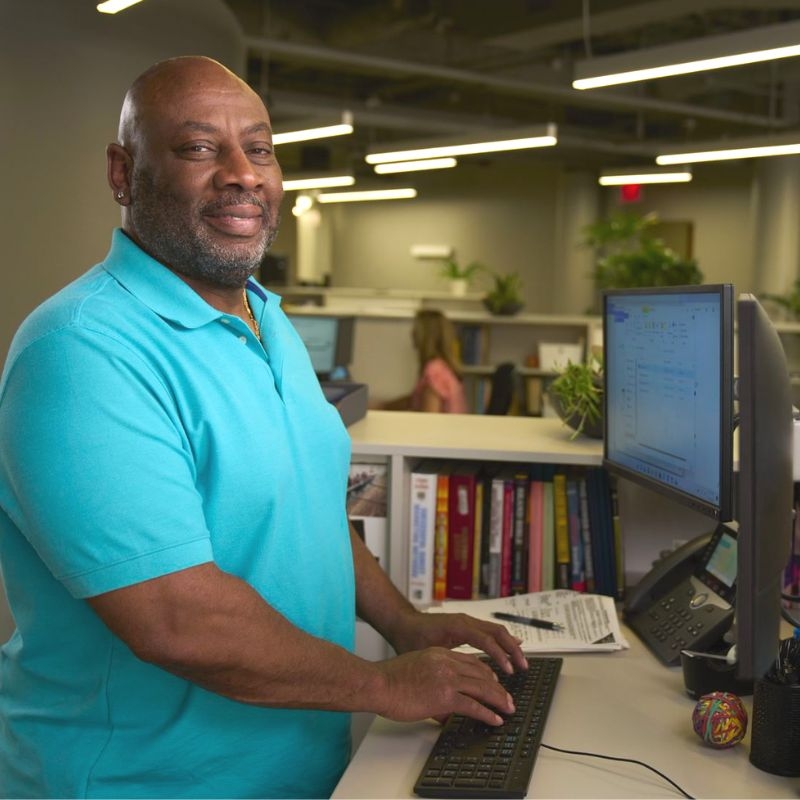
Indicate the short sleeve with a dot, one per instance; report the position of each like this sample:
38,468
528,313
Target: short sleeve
103,482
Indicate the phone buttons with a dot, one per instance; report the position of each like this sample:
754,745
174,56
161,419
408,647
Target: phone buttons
698,600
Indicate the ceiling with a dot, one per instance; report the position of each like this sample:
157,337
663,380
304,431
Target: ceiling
413,69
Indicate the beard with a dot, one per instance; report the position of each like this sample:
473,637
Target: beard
173,232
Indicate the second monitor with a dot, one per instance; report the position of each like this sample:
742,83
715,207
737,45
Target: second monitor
329,341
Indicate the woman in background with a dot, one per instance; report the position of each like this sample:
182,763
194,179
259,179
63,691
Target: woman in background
439,387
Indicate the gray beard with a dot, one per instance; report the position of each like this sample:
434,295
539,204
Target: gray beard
186,247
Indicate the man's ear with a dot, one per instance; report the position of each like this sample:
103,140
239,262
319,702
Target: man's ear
119,165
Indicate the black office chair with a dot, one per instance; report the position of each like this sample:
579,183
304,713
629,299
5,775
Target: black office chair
502,389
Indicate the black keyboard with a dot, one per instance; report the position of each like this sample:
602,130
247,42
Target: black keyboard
472,759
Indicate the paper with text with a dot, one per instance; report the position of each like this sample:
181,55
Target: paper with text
590,621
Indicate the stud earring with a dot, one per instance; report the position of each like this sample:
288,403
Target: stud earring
120,194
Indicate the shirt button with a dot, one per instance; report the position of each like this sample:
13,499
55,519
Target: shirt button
225,321
243,339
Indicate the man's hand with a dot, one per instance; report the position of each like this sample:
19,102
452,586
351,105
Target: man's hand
437,682
414,630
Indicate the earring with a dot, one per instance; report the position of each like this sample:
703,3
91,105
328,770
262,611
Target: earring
120,194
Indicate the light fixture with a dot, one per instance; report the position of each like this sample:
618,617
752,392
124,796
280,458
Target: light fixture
626,176
373,194
302,204
695,55
760,147
488,142
415,166
317,182
113,6
341,128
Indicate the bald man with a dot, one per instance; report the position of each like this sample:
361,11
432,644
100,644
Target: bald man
173,534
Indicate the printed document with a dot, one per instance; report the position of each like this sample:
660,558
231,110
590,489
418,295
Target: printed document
589,621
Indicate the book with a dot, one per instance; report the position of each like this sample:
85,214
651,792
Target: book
586,532
496,521
440,535
461,531
508,535
577,576
561,529
367,503
477,538
535,529
548,531
520,533
422,527
603,536
487,477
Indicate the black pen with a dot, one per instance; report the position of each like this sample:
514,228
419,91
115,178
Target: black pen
534,623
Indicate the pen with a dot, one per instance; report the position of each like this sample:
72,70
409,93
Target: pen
534,623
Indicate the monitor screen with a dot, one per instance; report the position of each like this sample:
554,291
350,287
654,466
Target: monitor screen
668,394
328,339
766,485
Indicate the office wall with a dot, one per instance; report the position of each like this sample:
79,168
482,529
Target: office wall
64,69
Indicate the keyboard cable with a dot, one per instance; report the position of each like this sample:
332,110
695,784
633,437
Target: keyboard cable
617,758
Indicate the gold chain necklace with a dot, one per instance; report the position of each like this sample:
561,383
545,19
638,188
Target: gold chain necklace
250,314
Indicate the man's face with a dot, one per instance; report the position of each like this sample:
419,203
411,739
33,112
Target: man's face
206,186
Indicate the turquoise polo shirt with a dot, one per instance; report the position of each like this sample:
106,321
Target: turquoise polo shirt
142,432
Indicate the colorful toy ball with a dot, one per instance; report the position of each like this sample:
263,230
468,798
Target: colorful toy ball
720,719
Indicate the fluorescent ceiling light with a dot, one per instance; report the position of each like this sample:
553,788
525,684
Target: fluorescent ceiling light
639,175
490,142
317,182
786,145
113,6
695,55
375,194
319,132
415,166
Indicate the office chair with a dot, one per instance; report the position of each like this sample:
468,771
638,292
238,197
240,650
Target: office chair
502,389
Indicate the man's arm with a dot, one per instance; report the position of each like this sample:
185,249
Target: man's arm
382,605
213,629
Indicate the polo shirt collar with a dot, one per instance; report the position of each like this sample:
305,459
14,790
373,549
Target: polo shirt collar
158,287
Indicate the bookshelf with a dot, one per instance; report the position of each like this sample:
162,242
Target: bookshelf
651,523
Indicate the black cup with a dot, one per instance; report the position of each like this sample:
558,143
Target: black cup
775,728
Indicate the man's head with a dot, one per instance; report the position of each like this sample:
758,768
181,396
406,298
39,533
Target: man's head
195,172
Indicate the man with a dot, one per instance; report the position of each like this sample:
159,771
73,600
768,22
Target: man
173,533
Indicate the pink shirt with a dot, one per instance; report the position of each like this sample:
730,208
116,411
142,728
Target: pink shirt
438,376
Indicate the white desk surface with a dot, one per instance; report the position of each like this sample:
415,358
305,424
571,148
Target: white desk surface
620,704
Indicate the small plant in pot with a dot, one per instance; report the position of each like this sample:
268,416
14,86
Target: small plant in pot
505,296
459,277
577,396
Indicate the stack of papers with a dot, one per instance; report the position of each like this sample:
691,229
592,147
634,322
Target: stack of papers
589,621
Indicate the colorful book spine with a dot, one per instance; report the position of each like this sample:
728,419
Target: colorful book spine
461,532
535,532
440,536
577,579
548,532
494,566
508,537
561,527
477,540
520,545
422,517
586,532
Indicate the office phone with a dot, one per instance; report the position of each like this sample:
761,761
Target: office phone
686,602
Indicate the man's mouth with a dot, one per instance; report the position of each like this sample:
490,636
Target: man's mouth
237,220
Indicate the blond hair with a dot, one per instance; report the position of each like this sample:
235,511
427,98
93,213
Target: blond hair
435,337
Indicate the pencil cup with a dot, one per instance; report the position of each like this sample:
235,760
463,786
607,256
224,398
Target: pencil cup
775,728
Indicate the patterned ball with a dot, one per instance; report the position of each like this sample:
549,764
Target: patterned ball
720,719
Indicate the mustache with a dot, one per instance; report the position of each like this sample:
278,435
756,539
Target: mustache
234,199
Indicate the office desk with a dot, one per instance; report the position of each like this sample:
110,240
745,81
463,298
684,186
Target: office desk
620,704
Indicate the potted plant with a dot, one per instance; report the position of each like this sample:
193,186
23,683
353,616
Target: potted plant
631,255
458,276
505,296
577,396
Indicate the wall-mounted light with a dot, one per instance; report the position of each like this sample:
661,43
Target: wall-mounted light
432,251
340,128
113,6
638,175
317,182
415,166
374,194
759,147
696,55
302,204
488,142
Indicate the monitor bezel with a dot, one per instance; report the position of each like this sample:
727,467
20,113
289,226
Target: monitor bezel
724,511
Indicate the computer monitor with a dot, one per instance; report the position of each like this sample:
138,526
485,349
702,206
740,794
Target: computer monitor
668,392
766,486
329,341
